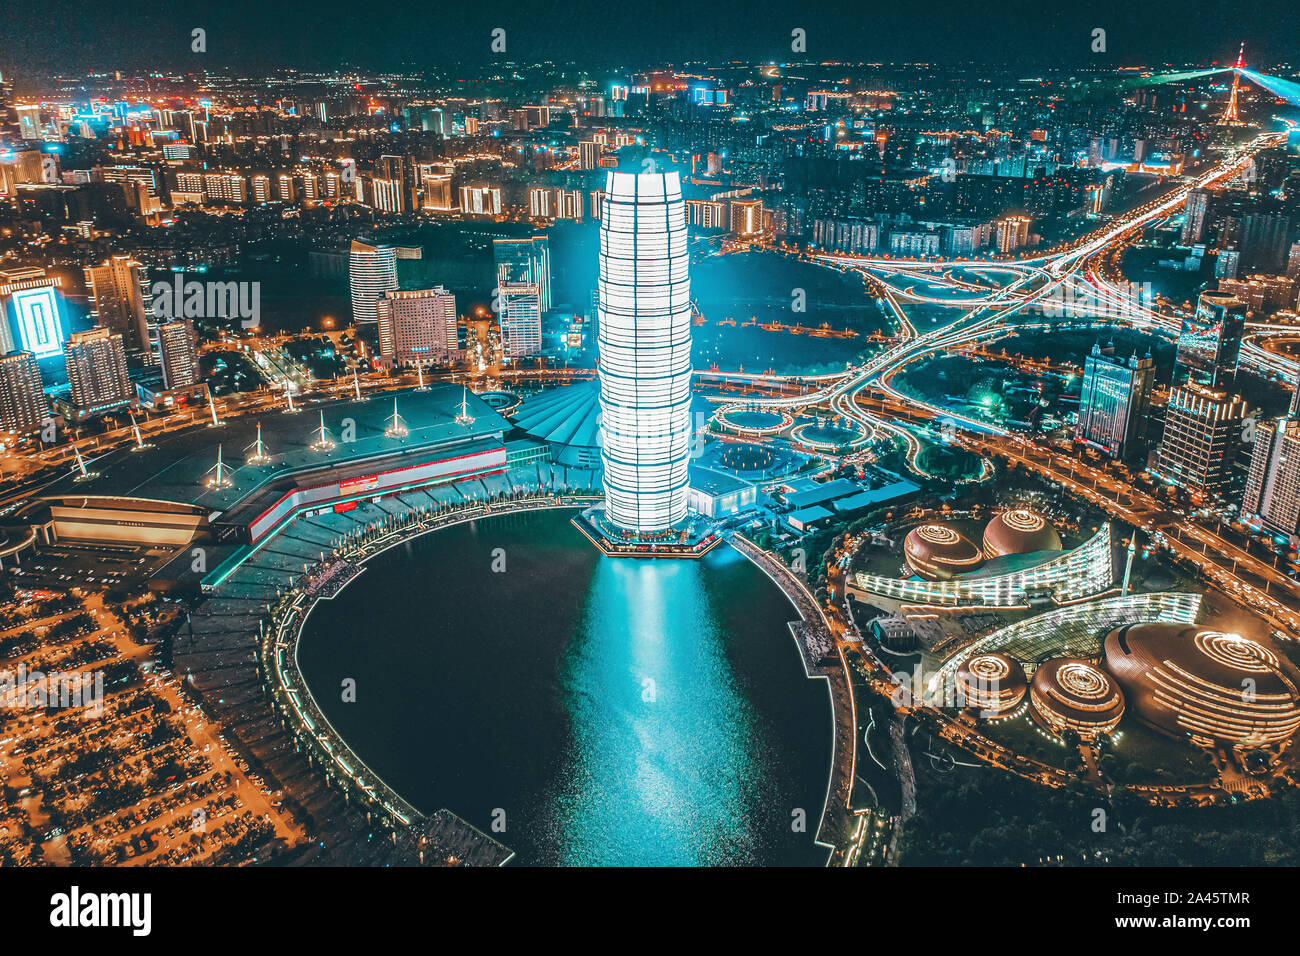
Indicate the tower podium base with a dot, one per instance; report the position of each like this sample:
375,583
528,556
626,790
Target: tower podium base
691,539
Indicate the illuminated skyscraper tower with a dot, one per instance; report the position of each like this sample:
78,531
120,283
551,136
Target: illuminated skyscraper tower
372,271
645,350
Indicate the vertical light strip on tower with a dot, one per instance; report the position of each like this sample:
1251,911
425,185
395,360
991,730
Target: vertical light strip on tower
645,350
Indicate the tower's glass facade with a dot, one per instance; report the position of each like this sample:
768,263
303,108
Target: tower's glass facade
645,350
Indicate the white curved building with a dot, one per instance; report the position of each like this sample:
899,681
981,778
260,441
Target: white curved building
645,350
372,271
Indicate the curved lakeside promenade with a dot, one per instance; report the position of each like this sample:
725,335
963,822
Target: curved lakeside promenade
841,829
325,749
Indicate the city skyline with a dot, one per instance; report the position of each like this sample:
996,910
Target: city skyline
672,437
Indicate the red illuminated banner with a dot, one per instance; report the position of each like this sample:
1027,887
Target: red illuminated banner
355,485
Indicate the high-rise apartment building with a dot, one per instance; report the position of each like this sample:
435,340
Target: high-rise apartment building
178,353
22,396
96,364
418,326
372,271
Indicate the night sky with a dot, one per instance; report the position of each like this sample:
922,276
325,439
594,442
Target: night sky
73,35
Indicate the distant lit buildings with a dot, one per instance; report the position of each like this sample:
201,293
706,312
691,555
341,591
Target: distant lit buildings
96,365
746,217
645,351
29,312
480,200
22,396
372,271
418,326
1114,403
1010,233
1201,439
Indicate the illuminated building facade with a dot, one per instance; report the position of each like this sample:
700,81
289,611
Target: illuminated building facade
96,363
1066,577
526,261
417,326
1272,497
520,318
1210,687
120,291
29,313
1072,694
1209,342
645,350
178,353
372,271
1114,403
22,396
1202,434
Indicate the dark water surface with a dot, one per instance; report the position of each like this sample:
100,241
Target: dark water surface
619,711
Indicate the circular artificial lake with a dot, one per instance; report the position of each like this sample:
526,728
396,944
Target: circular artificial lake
613,710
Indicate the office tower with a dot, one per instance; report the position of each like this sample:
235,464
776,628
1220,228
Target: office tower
527,261
1195,217
480,200
1113,403
119,289
390,184
29,306
372,272
1202,435
746,216
178,353
96,362
1272,497
417,326
645,350
22,397
1209,343
588,155
520,317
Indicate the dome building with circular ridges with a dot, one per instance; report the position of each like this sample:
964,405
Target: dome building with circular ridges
1070,693
992,684
1019,531
1211,687
937,552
